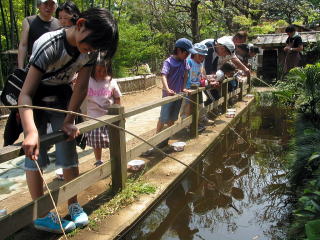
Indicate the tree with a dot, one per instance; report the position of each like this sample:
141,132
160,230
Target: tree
289,10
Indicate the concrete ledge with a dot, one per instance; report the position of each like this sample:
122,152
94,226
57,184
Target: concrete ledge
164,174
136,84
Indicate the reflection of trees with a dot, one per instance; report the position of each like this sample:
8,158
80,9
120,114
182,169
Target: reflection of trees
258,172
176,219
245,177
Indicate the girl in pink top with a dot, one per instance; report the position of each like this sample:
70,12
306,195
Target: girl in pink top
102,93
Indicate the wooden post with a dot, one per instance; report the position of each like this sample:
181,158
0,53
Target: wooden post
118,150
195,112
225,96
240,98
250,84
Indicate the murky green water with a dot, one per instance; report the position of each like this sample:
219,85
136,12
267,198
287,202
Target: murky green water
248,199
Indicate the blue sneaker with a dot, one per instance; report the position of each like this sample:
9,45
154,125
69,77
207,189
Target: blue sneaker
50,223
78,216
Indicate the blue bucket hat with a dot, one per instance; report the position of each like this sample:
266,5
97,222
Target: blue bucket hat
185,44
201,49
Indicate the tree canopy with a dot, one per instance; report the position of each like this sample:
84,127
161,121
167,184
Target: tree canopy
148,28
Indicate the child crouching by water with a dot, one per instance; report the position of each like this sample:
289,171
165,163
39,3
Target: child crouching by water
103,91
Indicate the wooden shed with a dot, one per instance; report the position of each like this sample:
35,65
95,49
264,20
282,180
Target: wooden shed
273,54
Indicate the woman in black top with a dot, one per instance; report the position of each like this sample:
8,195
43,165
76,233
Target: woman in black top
293,48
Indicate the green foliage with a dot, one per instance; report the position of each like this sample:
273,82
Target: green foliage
313,229
305,179
133,189
301,89
280,23
263,28
137,45
312,51
243,21
148,29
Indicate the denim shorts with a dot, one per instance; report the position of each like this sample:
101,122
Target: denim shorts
66,154
170,111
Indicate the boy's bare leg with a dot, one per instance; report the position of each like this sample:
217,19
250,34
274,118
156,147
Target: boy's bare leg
35,184
70,174
187,110
170,123
97,153
160,126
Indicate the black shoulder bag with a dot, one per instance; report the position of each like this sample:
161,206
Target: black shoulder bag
14,83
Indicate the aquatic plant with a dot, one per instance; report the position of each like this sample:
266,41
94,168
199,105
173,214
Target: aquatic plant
303,151
301,89
304,156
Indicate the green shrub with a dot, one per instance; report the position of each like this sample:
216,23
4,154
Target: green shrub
301,89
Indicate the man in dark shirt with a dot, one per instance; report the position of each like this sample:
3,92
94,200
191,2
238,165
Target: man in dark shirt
34,26
293,48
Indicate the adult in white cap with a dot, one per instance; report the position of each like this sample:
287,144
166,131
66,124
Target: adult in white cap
34,26
216,49
239,38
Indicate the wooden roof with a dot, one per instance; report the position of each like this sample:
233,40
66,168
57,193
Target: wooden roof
279,39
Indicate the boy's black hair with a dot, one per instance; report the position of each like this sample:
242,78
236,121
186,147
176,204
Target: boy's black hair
254,49
104,30
228,67
175,50
290,29
70,8
244,47
248,48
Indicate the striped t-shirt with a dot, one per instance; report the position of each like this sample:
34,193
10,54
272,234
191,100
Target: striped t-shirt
52,52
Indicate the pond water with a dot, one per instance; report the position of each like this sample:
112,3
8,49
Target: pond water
248,198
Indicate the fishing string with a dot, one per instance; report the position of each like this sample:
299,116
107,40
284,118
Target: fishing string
111,125
264,82
54,204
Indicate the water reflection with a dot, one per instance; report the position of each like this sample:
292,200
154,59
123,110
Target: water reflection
247,198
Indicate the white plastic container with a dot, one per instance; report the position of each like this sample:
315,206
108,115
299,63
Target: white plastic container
231,113
59,174
136,165
178,146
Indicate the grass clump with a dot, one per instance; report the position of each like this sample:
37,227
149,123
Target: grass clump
133,189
